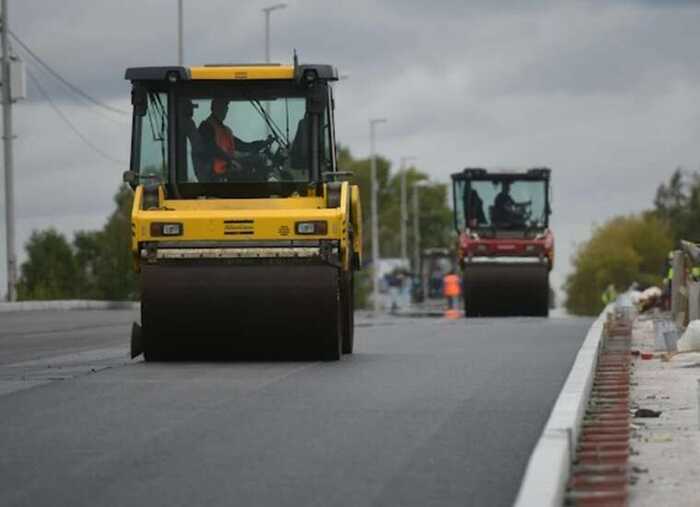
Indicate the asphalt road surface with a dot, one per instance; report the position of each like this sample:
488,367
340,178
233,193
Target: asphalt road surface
426,412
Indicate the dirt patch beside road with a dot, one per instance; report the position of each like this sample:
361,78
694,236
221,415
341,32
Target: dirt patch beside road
665,463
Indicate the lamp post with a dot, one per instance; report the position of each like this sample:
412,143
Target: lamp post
375,212
416,234
267,11
404,207
180,57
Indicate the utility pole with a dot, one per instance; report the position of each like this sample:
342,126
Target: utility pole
375,213
404,207
180,57
7,145
267,11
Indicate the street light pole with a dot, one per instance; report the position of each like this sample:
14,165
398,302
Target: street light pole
180,58
7,145
404,207
416,232
416,235
375,212
267,11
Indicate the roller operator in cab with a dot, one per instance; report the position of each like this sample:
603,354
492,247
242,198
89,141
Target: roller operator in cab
223,155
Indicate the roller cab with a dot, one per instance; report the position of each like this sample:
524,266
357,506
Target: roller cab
505,246
244,233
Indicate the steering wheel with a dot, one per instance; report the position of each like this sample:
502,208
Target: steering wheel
275,166
525,210
250,165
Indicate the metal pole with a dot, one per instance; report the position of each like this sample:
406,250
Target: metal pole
180,57
267,11
404,208
375,213
7,145
267,35
416,234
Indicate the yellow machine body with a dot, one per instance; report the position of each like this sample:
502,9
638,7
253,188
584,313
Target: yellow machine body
248,221
233,262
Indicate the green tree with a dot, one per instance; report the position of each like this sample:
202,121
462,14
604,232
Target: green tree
623,250
677,203
435,217
671,199
51,270
105,255
87,246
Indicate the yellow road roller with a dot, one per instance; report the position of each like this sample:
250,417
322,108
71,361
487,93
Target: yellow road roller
244,232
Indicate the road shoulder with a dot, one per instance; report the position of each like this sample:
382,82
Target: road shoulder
664,465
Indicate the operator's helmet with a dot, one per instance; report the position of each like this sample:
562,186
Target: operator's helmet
219,102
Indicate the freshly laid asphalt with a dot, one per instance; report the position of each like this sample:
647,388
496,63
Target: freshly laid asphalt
426,412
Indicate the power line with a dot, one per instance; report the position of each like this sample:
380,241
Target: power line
96,111
63,80
70,124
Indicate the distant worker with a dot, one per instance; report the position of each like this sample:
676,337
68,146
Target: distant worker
506,210
221,147
451,289
395,282
609,295
695,273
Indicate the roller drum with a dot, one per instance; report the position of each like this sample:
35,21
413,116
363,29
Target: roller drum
265,308
506,289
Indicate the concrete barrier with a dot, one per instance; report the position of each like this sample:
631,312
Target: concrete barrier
544,482
71,304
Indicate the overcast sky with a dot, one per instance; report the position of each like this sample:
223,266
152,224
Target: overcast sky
607,94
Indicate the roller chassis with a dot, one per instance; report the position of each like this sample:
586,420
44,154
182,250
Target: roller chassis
505,265
226,262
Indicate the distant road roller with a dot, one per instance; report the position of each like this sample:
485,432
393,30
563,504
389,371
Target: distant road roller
244,231
505,245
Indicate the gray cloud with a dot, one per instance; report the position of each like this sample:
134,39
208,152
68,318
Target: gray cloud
606,94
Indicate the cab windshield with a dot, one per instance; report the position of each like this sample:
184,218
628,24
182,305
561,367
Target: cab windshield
509,204
229,140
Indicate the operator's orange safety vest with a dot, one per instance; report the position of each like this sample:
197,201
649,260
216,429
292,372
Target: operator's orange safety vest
224,140
450,286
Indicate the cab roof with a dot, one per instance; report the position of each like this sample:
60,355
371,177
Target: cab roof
478,173
255,71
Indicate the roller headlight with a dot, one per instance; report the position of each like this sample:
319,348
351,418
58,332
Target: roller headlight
166,229
316,228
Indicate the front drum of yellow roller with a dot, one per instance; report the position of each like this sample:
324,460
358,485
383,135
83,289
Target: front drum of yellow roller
269,309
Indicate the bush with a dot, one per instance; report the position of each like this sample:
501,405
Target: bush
622,251
51,271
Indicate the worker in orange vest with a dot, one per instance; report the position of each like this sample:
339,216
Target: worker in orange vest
451,289
221,146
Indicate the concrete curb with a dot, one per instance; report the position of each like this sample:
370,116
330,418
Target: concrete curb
71,304
544,482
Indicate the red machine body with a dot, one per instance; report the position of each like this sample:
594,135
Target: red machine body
505,246
541,246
